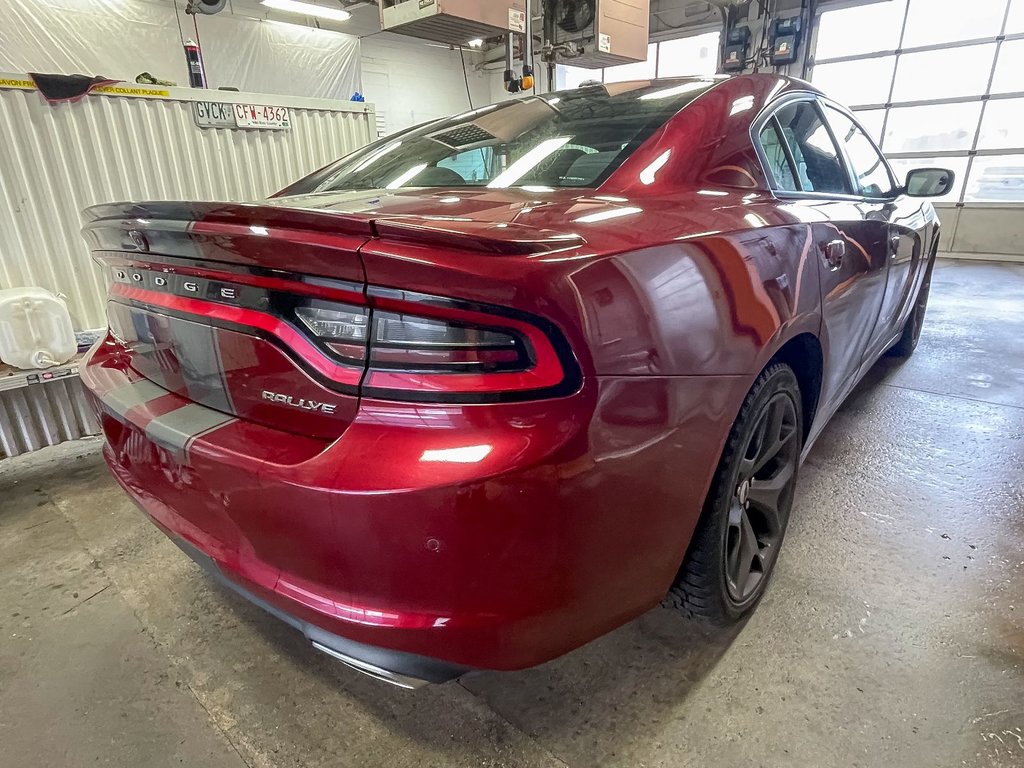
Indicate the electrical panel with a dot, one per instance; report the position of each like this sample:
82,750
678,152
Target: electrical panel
455,22
737,46
785,40
607,32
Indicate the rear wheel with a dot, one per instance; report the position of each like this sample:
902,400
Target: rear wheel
737,541
912,328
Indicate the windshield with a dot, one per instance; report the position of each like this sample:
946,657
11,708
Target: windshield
568,139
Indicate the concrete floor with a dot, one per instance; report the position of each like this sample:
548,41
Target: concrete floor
893,633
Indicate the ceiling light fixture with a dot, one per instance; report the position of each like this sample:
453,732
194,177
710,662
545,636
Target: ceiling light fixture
308,9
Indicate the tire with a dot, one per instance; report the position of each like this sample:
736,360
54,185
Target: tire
908,340
737,514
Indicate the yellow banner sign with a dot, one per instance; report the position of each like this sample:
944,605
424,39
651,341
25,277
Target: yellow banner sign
109,90
6,82
127,90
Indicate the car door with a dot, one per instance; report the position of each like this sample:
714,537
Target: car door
905,219
850,235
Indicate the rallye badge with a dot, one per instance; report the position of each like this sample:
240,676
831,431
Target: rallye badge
306,405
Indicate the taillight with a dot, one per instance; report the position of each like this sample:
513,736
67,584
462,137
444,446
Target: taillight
380,343
422,348
341,328
419,343
429,349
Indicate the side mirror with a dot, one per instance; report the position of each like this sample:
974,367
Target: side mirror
929,182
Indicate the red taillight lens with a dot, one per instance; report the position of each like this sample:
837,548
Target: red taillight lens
342,328
422,348
402,341
433,350
336,322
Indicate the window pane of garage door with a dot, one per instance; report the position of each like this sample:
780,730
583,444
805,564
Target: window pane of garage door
572,77
642,70
871,120
864,29
1009,75
934,128
944,73
997,180
1015,21
697,55
1003,125
957,165
856,82
949,21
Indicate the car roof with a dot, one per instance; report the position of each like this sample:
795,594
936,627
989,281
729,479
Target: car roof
682,79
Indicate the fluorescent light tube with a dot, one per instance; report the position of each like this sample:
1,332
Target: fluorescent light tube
308,9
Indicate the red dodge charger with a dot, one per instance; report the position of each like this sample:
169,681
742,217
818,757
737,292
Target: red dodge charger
486,389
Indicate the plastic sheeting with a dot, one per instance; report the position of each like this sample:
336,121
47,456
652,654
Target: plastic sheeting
121,38
56,159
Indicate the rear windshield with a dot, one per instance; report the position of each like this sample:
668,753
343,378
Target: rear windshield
568,139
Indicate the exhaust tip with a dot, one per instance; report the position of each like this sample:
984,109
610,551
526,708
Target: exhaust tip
378,673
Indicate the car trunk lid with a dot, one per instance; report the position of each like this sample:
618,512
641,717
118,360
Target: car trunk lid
202,297
206,297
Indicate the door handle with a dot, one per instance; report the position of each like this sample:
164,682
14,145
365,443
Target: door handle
833,252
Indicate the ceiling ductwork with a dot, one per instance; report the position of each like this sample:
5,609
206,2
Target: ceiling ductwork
206,7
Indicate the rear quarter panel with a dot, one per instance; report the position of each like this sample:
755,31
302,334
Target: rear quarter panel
669,338
710,306
719,302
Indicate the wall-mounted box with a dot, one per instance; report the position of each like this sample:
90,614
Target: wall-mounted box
455,22
610,32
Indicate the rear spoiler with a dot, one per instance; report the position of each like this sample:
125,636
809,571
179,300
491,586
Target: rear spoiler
479,236
249,214
507,239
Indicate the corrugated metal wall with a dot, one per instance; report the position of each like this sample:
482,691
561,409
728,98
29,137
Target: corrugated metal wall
56,159
39,415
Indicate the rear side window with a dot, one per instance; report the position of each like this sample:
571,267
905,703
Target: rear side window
868,165
783,176
818,164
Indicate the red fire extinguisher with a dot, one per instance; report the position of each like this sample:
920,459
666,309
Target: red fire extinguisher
194,59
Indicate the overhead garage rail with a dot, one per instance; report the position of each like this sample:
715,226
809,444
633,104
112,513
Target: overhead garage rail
140,142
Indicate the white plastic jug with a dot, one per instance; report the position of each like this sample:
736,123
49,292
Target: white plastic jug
35,328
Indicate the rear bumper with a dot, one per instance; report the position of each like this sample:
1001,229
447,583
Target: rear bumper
428,540
406,670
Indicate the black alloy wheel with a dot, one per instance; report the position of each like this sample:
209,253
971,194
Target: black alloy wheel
907,342
736,543
760,504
